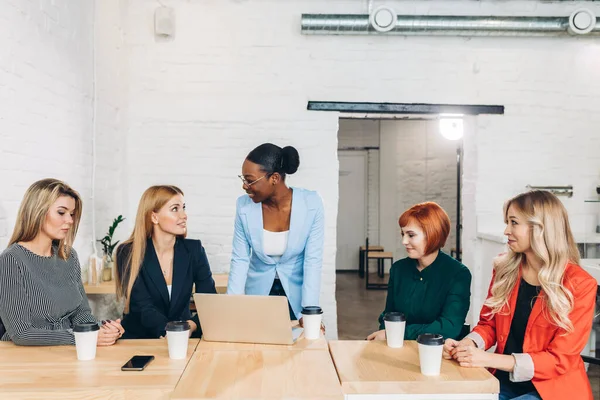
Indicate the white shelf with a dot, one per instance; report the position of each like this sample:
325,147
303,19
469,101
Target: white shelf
493,237
579,237
586,237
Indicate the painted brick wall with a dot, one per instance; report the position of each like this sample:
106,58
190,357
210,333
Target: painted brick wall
425,166
45,98
239,73
373,195
365,133
111,75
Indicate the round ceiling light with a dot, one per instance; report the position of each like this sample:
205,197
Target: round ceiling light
383,19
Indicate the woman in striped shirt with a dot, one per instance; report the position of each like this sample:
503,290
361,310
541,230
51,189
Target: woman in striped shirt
41,293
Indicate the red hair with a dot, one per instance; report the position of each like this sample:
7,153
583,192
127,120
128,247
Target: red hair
433,220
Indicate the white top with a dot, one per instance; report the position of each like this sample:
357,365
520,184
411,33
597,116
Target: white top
169,288
275,243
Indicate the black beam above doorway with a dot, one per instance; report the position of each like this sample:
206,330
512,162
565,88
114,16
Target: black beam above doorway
404,108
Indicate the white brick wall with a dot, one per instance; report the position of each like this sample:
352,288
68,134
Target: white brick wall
422,167
111,119
359,133
240,73
111,130
373,196
425,167
45,98
237,74
471,251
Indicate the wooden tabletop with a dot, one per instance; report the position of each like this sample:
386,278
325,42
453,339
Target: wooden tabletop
372,248
380,254
373,368
301,344
53,372
109,287
259,374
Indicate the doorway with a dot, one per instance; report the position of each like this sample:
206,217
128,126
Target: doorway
385,166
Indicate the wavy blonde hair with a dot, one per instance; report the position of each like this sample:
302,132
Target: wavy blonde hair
35,205
153,199
552,242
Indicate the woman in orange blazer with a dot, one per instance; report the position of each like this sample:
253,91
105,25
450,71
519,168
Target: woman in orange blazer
539,308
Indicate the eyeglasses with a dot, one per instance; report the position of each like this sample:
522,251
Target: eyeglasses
250,183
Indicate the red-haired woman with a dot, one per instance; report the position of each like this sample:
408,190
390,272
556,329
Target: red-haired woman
429,287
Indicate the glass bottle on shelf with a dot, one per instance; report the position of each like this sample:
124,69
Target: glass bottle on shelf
107,268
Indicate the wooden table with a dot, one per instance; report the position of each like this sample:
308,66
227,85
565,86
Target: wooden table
109,287
371,370
380,256
261,373
301,344
31,372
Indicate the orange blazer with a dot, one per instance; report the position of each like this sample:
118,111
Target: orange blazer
559,371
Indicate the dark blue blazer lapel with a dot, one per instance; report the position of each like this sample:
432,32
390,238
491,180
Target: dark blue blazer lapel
152,267
181,265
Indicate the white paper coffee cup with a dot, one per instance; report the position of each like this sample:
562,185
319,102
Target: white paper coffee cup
431,347
86,340
178,335
395,323
311,320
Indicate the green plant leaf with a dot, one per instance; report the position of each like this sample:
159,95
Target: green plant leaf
108,246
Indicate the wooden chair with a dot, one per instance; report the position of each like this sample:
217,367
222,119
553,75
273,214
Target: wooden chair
591,360
363,250
380,256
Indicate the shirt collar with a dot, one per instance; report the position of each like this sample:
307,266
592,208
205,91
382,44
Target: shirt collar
424,274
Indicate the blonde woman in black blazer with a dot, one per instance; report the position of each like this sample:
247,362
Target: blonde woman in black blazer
157,266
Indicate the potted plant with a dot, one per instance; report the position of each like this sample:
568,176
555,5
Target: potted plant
108,247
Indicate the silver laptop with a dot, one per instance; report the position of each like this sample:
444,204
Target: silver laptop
245,319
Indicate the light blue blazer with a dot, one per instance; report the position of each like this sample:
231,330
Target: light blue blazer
299,268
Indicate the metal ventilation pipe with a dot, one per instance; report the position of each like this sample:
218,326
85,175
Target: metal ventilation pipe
580,22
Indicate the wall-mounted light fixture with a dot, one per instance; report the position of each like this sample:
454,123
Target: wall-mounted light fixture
451,126
557,190
164,22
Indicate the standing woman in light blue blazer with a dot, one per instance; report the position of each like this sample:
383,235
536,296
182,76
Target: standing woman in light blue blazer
278,238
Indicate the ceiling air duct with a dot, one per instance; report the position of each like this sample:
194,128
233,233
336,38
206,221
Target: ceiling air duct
383,20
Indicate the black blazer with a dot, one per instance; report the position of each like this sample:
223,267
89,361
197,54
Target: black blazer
150,308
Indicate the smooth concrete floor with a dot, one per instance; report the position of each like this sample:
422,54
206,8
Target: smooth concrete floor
358,310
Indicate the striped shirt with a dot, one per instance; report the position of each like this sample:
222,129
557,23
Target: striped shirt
41,298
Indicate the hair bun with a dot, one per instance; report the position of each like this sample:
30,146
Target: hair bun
290,159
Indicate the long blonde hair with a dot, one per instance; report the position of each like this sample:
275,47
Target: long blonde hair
552,242
153,199
36,203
